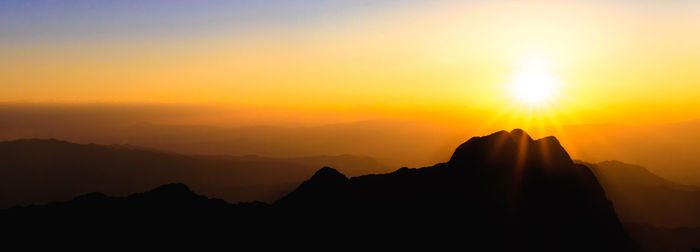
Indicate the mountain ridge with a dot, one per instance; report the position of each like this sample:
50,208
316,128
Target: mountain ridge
500,187
513,179
35,171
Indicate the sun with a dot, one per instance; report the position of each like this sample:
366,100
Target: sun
534,84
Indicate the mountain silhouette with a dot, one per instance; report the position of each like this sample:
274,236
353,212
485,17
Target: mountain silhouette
504,191
34,171
504,185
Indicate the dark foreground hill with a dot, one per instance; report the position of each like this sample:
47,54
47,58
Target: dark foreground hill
503,191
34,171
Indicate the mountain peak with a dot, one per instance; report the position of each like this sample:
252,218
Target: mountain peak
174,187
520,135
171,190
328,175
322,188
512,148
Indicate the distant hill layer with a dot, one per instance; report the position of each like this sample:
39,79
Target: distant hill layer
207,130
642,197
40,171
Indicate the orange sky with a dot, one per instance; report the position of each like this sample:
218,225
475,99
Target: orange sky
615,62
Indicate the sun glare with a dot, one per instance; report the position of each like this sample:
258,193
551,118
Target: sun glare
534,84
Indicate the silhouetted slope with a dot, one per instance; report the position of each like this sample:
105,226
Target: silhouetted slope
500,192
642,197
40,171
320,191
658,239
501,187
165,207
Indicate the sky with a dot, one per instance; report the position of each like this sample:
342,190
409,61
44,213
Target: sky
624,62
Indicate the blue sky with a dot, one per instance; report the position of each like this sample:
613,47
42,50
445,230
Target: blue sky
47,21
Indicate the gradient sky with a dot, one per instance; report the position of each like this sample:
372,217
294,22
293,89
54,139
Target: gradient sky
616,61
